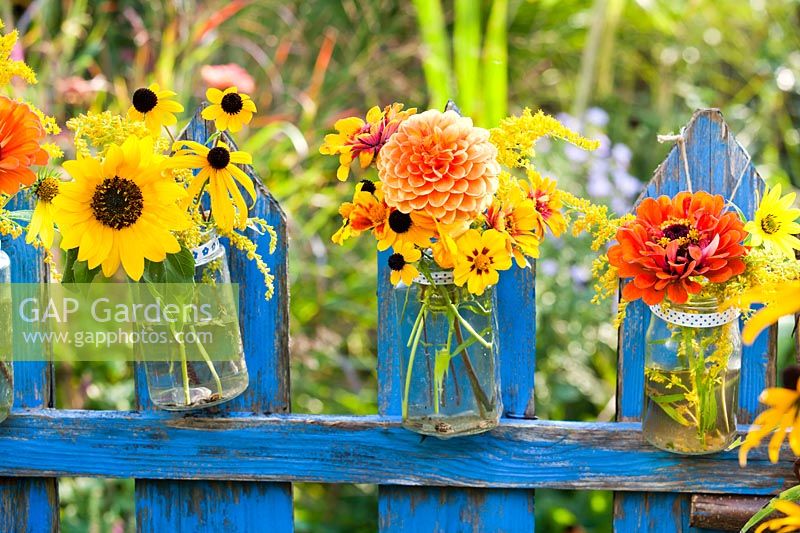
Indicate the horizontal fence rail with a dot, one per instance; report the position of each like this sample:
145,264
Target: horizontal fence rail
370,449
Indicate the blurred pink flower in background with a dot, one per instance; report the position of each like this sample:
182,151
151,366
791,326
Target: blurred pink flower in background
76,90
230,75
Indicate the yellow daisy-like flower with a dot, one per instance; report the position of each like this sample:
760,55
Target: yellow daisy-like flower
774,222
219,172
781,299
121,209
480,258
514,214
154,106
547,198
42,225
784,524
401,263
229,109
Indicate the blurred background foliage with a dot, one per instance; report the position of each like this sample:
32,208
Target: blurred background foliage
620,70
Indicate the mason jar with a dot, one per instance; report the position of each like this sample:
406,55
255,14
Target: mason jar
693,356
449,361
6,363
178,383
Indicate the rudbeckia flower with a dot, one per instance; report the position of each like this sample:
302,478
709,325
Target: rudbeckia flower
21,131
230,110
401,263
547,200
672,242
366,212
121,209
480,257
781,299
779,418
218,170
515,216
42,220
155,107
774,222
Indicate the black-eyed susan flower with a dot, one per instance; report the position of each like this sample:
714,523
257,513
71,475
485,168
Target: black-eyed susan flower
155,107
120,210
401,263
779,418
230,110
781,299
480,258
783,524
220,176
774,223
407,227
42,224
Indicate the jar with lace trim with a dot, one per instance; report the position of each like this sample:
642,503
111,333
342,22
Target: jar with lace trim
693,355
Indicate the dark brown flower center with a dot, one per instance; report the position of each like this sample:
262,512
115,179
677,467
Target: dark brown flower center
218,157
400,222
47,189
117,203
397,262
232,103
144,100
770,224
676,231
790,376
368,186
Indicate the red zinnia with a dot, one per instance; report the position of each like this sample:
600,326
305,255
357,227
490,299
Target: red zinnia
20,133
674,241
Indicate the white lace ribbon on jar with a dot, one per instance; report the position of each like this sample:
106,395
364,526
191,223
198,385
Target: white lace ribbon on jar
207,252
695,320
444,277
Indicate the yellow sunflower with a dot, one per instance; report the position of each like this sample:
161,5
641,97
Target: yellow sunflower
42,225
781,299
229,109
120,209
401,263
218,171
783,524
154,106
480,258
774,222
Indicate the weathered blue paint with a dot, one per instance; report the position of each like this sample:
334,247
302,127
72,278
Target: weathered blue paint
220,505
429,506
28,504
716,163
371,449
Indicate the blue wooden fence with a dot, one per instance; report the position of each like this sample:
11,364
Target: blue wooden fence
231,469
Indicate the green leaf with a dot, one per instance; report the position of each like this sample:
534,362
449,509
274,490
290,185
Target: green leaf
77,271
24,215
673,414
179,268
791,495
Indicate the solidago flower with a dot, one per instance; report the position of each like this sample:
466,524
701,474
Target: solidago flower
401,263
357,139
230,110
480,257
774,222
783,524
120,210
9,67
21,132
98,131
780,417
42,225
155,107
219,173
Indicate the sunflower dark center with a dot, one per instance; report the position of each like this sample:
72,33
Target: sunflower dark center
144,100
770,224
368,186
218,157
790,376
117,203
232,103
676,231
47,189
397,262
400,222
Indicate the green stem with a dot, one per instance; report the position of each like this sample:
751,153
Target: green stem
483,401
184,371
468,327
208,361
411,356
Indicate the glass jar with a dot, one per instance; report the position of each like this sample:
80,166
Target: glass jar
450,371
693,356
6,364
179,384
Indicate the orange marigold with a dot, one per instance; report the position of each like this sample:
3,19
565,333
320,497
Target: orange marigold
441,164
21,131
672,242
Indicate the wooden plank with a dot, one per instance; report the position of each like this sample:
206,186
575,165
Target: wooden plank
372,449
422,509
29,504
222,505
717,164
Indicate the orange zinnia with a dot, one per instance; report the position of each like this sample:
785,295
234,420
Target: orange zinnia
20,133
441,164
674,241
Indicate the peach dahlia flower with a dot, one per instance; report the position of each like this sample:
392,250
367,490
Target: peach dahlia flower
441,164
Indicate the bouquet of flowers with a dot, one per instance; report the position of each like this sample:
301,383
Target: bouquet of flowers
691,258
454,219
